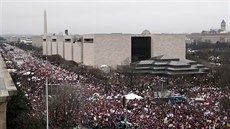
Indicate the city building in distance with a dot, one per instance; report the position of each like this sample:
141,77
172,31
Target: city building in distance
212,36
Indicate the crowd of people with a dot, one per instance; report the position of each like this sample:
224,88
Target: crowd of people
102,103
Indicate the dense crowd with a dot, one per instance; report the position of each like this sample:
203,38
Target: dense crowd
101,100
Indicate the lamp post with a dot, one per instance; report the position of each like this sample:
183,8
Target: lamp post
47,93
105,69
125,108
79,71
124,105
162,86
47,107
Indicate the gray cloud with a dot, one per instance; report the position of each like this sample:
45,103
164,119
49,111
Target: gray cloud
129,16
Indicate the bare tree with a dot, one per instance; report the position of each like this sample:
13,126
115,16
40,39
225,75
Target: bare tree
65,107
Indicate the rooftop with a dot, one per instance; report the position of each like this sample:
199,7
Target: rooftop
168,65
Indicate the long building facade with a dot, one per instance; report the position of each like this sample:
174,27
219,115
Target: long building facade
209,38
114,49
220,35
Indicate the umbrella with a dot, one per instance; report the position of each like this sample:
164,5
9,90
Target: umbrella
12,70
199,99
109,97
133,96
28,73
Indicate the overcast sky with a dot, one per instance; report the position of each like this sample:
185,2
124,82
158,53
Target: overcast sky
112,16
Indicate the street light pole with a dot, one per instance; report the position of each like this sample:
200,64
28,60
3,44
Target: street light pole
47,93
47,104
125,120
162,86
47,107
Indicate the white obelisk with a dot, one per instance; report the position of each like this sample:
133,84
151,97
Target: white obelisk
45,24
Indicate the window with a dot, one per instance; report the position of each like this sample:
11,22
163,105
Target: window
68,40
140,48
88,40
54,40
44,40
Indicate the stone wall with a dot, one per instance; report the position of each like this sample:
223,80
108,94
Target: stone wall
60,45
54,48
49,46
7,89
169,44
44,48
68,51
61,48
88,54
3,115
77,52
112,49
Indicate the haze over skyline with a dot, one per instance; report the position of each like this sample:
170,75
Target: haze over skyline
110,16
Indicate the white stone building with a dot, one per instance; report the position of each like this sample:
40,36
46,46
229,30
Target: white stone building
220,35
115,48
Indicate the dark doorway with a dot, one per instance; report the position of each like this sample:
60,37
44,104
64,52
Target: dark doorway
140,48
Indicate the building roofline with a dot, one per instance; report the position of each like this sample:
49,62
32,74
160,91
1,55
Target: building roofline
221,34
8,87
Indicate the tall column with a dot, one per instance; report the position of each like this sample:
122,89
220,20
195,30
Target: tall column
45,24
3,115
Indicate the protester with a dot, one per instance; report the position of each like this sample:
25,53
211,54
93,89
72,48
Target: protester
102,104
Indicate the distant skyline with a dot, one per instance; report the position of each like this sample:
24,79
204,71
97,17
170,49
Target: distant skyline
112,16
